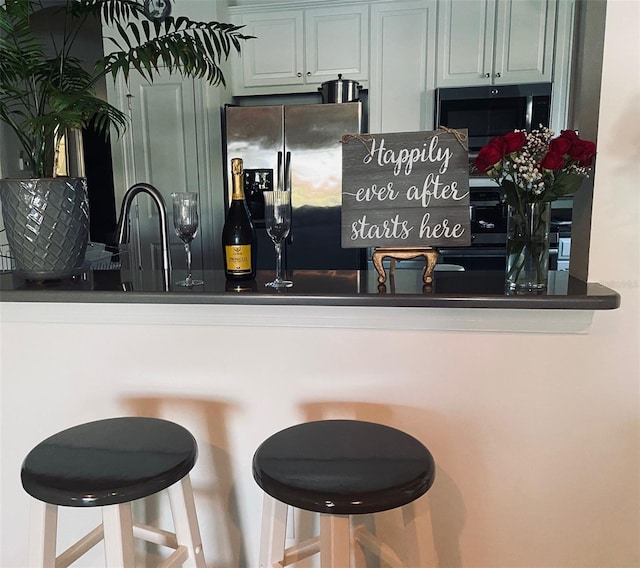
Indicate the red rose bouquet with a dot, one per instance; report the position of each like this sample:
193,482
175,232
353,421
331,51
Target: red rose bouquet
535,167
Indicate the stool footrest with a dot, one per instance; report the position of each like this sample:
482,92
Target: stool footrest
140,531
383,551
301,550
177,558
155,535
80,547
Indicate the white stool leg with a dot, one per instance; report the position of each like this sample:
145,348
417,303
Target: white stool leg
412,553
360,552
118,536
335,541
273,532
185,520
42,534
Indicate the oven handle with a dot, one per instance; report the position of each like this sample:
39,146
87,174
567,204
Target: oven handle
473,251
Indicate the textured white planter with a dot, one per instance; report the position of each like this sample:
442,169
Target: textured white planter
47,224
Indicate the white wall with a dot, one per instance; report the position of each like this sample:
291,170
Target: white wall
535,435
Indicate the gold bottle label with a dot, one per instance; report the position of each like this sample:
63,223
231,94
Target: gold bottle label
238,258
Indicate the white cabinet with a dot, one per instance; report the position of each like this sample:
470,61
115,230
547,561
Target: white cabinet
401,91
337,41
297,49
495,42
275,56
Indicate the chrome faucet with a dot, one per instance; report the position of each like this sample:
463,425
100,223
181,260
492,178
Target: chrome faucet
123,223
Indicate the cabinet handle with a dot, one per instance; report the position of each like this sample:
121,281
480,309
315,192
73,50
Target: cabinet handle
299,74
487,75
308,73
498,75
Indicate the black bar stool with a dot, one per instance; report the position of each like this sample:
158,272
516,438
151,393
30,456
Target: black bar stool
108,464
337,468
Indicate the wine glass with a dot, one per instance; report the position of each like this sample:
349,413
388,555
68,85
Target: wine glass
185,223
277,220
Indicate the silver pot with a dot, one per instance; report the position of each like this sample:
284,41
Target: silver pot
340,90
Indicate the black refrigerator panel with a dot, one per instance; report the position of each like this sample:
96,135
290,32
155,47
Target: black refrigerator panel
301,145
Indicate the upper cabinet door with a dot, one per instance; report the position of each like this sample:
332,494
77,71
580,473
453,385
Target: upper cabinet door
275,57
465,42
297,49
495,42
525,31
402,71
337,41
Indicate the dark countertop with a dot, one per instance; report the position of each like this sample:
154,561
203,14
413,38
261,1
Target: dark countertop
471,289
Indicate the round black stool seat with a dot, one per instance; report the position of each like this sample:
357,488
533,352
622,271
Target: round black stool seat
108,462
343,467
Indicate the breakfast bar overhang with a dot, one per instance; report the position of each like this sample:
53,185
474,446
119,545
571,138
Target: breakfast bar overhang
350,288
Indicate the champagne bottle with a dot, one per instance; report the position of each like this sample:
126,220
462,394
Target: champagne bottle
239,234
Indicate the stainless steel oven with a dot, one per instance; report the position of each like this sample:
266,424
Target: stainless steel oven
494,257
474,258
488,249
488,215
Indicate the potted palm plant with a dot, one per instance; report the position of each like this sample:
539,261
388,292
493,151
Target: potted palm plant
46,91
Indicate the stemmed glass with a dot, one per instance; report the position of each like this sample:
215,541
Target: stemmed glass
185,223
277,220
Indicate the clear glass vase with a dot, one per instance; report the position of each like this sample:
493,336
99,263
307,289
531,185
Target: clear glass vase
528,247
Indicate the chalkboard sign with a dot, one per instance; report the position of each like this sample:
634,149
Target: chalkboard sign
407,189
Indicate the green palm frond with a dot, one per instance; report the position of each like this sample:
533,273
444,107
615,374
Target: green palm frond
180,45
18,46
42,95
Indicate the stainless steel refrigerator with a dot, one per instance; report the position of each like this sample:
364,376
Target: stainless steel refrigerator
296,147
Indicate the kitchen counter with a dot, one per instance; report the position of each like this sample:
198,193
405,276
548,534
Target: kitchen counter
471,289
